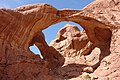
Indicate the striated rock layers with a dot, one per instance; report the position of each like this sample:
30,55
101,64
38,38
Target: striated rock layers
93,53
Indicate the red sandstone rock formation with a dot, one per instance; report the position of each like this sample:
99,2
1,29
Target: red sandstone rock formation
73,45
71,42
97,57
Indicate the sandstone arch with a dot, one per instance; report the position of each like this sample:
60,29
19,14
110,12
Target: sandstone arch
15,24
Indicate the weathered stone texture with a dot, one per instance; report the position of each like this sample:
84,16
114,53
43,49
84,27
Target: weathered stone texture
73,55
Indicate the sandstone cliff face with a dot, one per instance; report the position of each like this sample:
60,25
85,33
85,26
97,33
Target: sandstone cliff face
73,55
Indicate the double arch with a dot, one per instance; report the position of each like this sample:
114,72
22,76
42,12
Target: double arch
47,16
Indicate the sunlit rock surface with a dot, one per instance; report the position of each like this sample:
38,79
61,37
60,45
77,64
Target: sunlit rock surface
93,53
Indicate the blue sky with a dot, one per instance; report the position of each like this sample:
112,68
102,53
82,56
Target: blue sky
50,33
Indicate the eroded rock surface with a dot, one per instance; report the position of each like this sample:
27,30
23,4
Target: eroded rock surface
66,41
18,27
74,45
73,55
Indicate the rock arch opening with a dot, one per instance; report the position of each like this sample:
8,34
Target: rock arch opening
83,45
51,32
35,50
